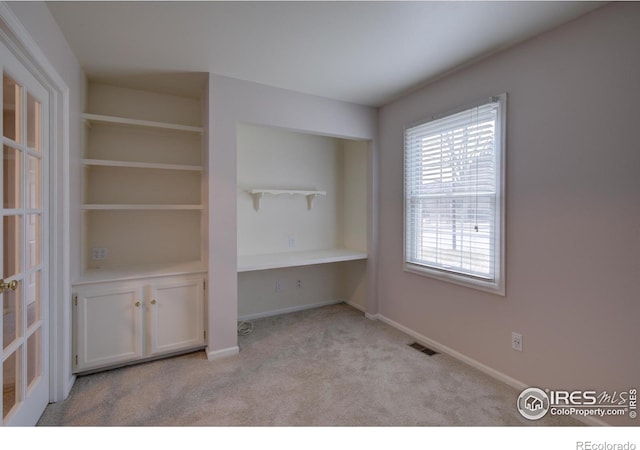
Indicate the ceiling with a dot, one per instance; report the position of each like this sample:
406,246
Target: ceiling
365,52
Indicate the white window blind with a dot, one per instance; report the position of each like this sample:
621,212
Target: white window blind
453,195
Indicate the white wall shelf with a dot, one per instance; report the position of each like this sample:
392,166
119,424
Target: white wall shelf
99,118
105,207
140,165
257,195
248,263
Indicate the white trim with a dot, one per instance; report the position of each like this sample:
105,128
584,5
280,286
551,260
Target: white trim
372,316
517,384
223,353
291,309
497,285
61,378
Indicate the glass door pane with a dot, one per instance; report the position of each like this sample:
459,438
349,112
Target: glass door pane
11,245
34,114
32,294
11,108
34,251
33,358
9,384
34,176
11,177
10,315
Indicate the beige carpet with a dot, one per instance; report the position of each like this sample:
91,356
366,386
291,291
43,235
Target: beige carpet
323,367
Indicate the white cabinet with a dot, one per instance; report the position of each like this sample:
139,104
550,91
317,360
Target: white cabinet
108,325
122,322
175,320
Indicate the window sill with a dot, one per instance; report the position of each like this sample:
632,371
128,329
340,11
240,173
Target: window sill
496,288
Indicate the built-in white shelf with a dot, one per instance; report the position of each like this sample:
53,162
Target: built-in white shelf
99,118
248,263
133,272
104,207
257,195
140,165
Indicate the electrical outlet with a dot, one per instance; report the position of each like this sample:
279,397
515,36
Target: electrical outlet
292,241
98,253
299,284
516,341
279,286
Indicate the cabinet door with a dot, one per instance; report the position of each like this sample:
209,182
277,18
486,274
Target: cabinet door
108,326
176,315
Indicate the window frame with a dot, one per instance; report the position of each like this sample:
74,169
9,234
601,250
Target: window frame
497,285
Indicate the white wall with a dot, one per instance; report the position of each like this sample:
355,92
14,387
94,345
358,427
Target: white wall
355,194
280,159
573,211
233,102
39,22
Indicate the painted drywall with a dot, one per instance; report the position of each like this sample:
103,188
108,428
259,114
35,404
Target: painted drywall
572,212
41,26
355,194
260,296
234,102
274,158
141,104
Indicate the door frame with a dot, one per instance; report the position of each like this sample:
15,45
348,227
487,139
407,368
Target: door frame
18,40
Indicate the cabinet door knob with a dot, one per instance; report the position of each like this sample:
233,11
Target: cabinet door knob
153,301
138,304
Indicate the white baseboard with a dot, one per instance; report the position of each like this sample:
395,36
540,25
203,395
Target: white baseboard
372,316
69,385
277,312
519,385
222,353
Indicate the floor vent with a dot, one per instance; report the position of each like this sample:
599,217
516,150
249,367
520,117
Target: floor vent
423,349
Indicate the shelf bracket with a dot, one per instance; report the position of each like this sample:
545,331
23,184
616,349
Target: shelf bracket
256,200
310,199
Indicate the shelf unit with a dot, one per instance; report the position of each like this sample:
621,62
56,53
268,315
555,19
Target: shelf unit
142,178
139,165
257,195
249,263
101,118
143,185
138,207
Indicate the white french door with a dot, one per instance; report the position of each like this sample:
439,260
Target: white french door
24,327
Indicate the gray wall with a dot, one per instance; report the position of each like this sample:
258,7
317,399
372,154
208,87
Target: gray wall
573,211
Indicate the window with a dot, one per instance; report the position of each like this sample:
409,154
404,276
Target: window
454,196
